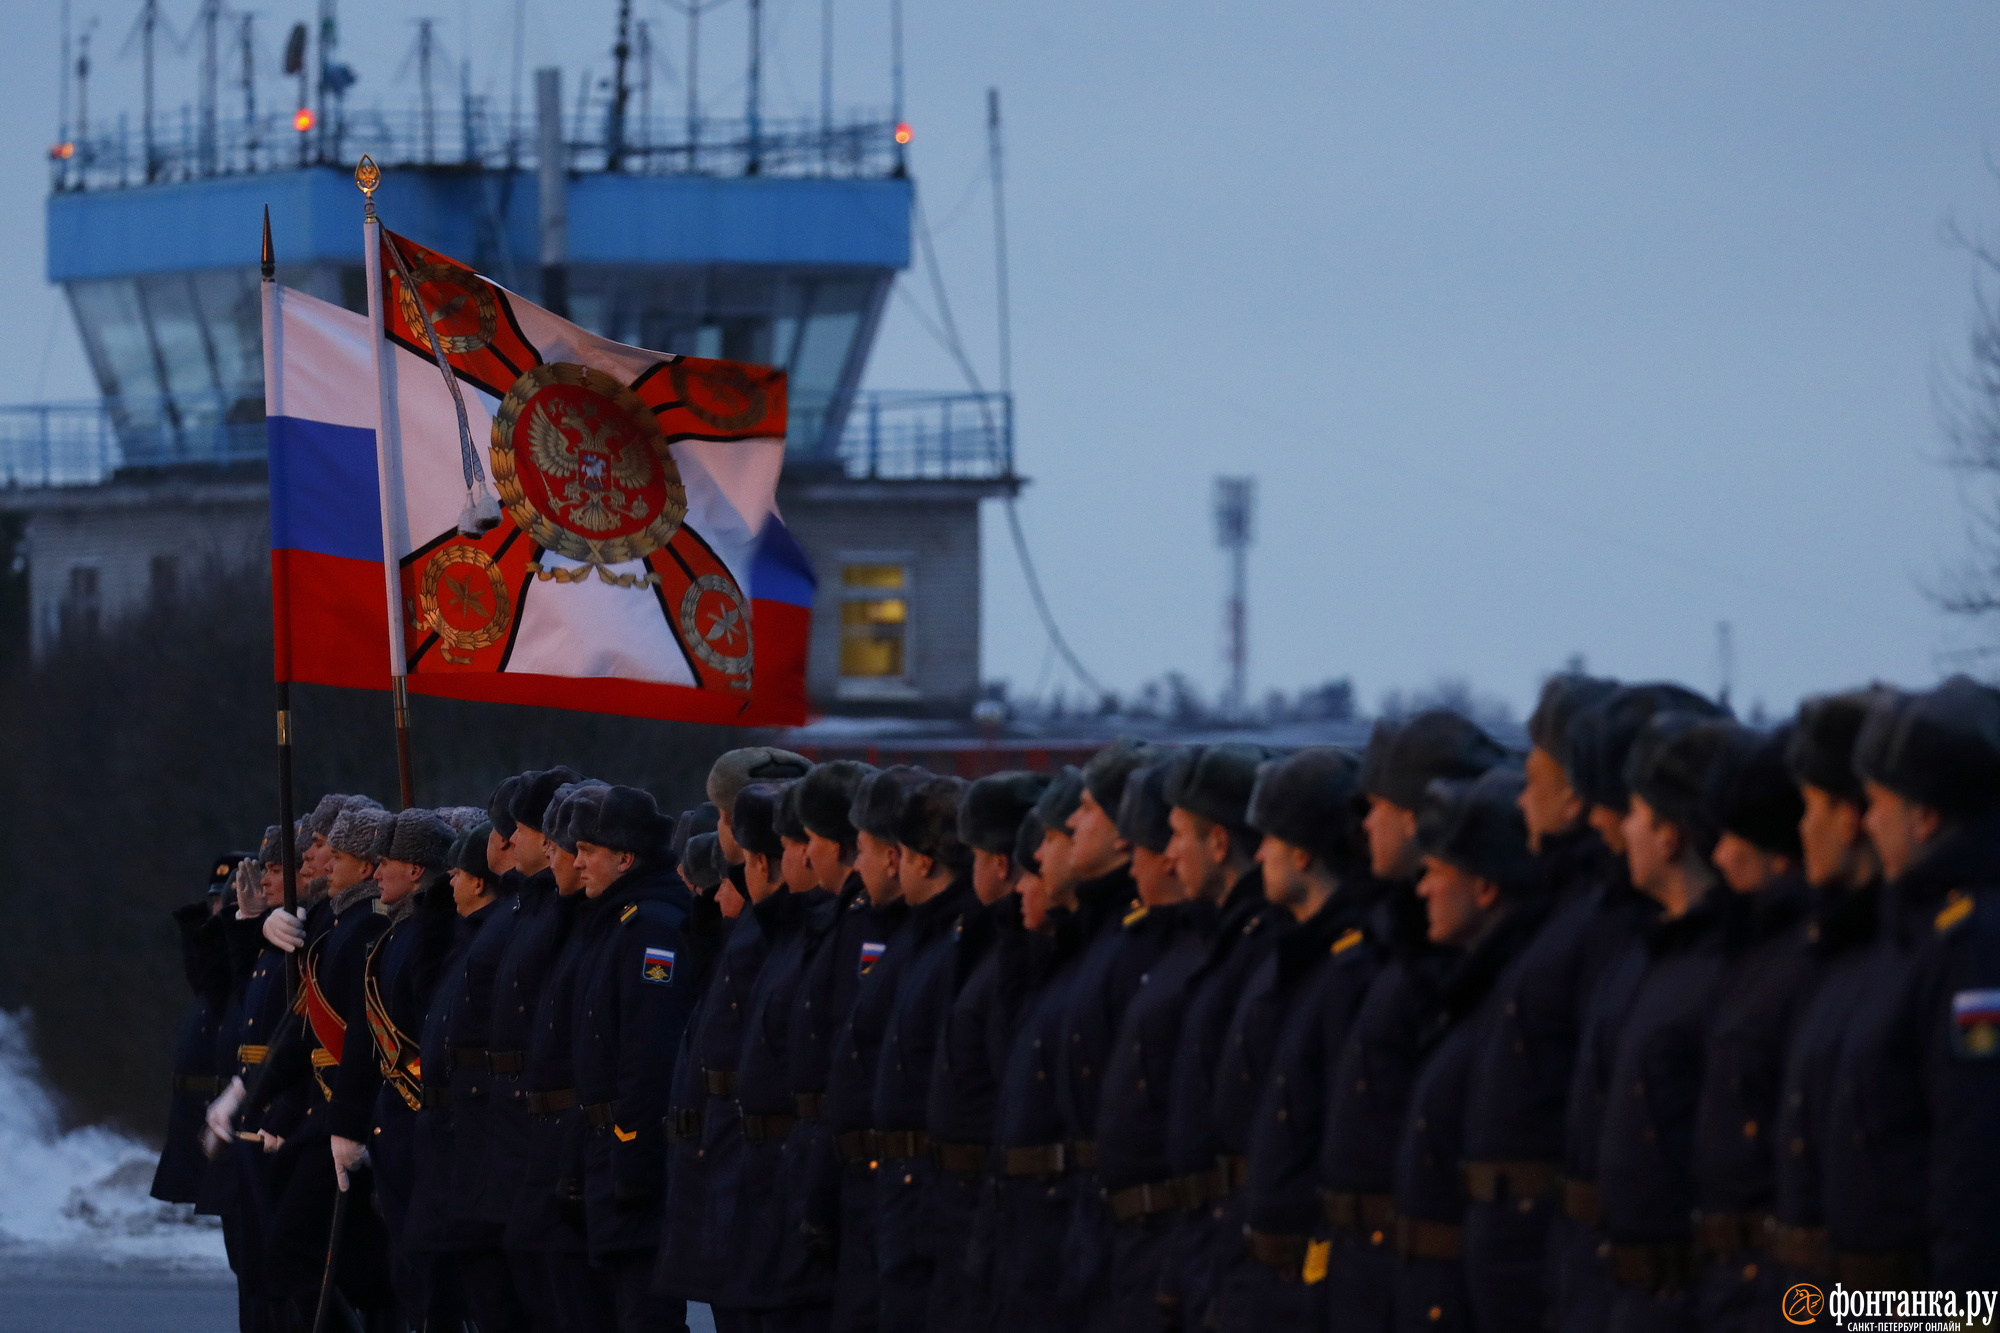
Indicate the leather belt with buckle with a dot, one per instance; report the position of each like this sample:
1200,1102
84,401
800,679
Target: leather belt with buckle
551,1103
598,1115
719,1082
1040,1159
684,1123
1142,1201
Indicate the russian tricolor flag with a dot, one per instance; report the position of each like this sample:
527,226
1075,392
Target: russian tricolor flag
639,566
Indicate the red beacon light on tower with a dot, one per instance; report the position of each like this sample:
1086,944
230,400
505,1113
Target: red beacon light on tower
903,134
302,119
62,152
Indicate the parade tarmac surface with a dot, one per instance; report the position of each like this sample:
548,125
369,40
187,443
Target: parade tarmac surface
68,1293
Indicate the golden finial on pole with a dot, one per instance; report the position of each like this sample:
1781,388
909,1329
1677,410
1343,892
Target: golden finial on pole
368,177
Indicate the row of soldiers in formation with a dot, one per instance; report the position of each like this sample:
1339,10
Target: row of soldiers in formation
1633,1032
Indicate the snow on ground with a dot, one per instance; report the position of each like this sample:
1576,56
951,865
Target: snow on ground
81,1191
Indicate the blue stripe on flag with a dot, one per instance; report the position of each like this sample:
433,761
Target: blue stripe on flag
781,572
323,489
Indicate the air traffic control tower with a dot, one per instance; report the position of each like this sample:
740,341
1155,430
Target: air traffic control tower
767,241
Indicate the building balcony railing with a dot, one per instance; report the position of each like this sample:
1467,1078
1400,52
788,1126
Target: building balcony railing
182,148
889,435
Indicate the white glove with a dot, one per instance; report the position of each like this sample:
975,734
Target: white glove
284,930
249,891
223,1110
347,1155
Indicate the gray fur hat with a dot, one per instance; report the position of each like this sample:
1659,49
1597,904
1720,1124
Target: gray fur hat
271,851
1431,745
1601,736
693,822
737,769
361,832
990,816
1940,748
421,837
826,799
1476,825
701,862
330,808
462,817
754,818
1312,799
1142,810
1215,781
927,821
879,799
530,804
1059,801
1563,697
1104,776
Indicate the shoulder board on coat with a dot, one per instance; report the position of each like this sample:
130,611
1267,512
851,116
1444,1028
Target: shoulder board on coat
1135,916
631,910
1348,939
1957,907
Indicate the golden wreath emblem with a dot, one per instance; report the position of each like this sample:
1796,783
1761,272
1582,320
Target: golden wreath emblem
716,625
462,308
463,600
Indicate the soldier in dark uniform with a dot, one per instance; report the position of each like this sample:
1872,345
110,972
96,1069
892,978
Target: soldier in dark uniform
629,1016
546,1225
783,1272
935,869
879,965
1913,1182
1376,1063
736,769
1645,1156
377,1090
705,1130
1485,897
1213,851
1313,863
989,959
1846,882
1601,738
1756,1007
1520,1079
202,927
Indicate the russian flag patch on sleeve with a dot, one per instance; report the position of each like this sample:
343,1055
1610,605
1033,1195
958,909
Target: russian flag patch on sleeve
658,967
1975,1025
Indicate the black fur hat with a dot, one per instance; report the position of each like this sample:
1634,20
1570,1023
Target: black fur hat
790,827
1476,825
737,769
1940,748
826,795
1821,751
1312,799
1104,776
927,821
1601,736
1028,843
468,853
1755,797
625,819
1563,697
537,789
693,822
1215,781
572,801
1142,811
1059,801
879,799
701,862
994,806
754,820
500,806
1431,745
1677,760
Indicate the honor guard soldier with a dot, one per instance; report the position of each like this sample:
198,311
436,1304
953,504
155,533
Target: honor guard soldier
704,1128
1756,1008
1601,738
1306,808
1913,1178
1645,1155
378,1091
878,964
549,1207
203,929
631,1007
935,870
786,1193
1484,897
989,959
1519,1083
1377,1063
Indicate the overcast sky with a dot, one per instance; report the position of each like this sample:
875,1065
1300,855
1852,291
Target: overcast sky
1546,328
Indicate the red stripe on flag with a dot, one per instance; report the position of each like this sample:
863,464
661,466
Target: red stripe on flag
331,627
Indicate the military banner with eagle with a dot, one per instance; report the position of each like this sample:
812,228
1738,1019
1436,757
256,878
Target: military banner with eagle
563,520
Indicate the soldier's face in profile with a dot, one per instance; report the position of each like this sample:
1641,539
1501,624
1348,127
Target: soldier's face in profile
1746,867
1652,845
725,838
499,852
272,881
344,870
1548,802
992,875
399,879
1034,891
1284,868
1056,857
798,871
1154,873
562,865
1192,851
1456,900
1097,848
531,850
313,865
468,892
830,864
1838,854
1610,826
1899,828
877,862
598,867
1392,840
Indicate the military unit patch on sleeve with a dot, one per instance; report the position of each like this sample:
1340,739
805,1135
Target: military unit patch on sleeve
1348,939
1956,908
1975,1024
1135,916
871,954
631,910
658,966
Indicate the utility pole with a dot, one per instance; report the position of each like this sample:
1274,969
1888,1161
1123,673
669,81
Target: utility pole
143,29
211,84
554,188
756,89
1000,284
896,86
621,52
426,48
643,49
1234,499
247,41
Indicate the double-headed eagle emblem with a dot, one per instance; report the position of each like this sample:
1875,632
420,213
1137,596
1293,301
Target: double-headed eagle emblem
592,465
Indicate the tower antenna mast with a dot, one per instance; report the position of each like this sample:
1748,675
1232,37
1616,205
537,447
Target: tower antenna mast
621,90
995,165
756,89
1235,497
211,82
246,37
